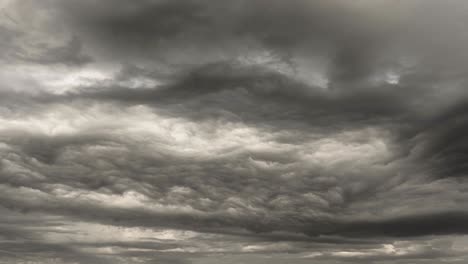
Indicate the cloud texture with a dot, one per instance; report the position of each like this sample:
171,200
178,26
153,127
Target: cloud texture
250,131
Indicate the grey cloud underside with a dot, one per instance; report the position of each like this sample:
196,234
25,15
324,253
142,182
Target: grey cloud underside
196,132
271,100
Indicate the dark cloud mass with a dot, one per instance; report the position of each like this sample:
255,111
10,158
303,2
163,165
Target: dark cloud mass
251,131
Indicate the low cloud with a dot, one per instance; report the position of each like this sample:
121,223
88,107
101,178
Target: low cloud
248,131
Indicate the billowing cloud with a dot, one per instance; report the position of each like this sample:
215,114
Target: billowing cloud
196,131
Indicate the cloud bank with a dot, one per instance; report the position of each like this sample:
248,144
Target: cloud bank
196,131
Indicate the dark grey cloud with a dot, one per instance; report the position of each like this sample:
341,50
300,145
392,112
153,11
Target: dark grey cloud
194,131
70,54
26,42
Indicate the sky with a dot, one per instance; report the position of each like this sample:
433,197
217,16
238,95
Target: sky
233,131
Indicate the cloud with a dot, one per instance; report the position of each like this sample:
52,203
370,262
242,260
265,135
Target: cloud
238,132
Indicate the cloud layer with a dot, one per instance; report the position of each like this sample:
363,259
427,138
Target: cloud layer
196,131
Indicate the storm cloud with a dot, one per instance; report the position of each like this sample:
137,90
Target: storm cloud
251,131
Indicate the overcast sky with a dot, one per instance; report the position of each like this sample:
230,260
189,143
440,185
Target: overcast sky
233,131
